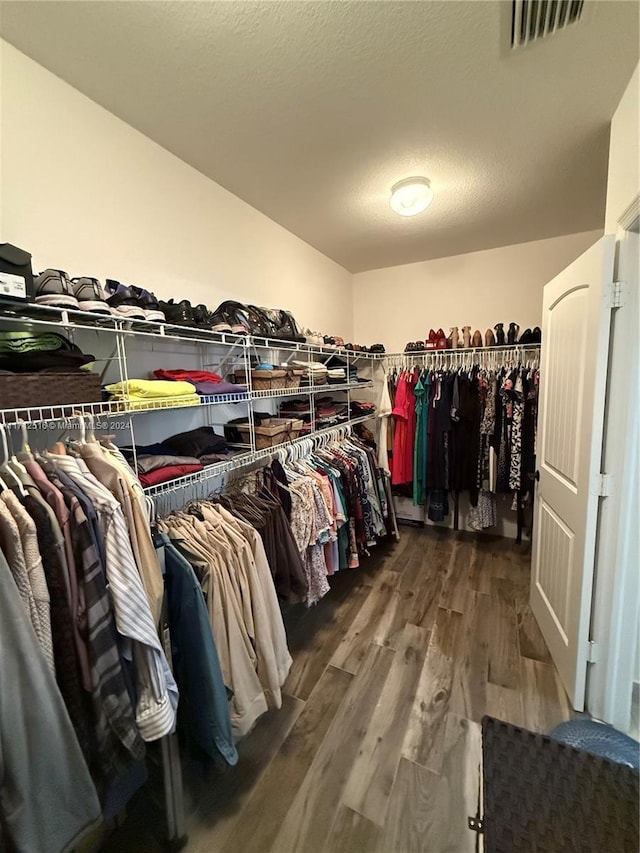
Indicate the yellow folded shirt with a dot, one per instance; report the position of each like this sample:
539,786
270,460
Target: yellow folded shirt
150,389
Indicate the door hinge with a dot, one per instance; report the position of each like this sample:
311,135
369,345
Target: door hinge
476,824
614,295
592,651
603,485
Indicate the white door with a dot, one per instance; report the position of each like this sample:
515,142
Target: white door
573,372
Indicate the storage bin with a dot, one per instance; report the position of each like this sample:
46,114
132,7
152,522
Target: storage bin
294,377
268,380
272,431
36,390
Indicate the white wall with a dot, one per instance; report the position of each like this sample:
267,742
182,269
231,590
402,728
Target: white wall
623,180
85,192
398,304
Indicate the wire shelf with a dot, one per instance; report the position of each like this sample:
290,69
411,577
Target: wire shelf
48,315
303,390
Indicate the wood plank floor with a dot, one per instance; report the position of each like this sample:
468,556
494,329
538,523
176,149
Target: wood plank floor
377,747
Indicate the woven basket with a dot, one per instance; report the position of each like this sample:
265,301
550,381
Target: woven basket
294,378
268,380
37,390
273,431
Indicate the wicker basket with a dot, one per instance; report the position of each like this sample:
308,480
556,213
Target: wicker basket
273,431
294,378
268,380
37,390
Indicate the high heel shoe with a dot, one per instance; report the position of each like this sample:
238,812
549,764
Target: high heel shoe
466,336
526,337
454,338
441,340
536,335
489,338
512,334
499,327
476,341
432,340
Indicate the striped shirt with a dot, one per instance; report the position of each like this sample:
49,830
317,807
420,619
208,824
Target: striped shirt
156,687
115,722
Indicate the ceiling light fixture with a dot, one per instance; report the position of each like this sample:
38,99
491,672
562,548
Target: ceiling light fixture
411,196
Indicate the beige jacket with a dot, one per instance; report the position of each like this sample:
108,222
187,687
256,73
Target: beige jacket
213,560
122,485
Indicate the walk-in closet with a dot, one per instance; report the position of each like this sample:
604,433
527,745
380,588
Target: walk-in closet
318,426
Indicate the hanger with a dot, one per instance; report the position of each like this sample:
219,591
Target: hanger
91,420
14,461
4,468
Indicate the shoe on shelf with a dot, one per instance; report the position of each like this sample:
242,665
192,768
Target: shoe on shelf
217,323
53,288
201,316
489,338
91,297
499,327
339,341
466,336
178,313
377,348
476,340
526,337
149,304
410,347
441,339
512,334
124,300
536,335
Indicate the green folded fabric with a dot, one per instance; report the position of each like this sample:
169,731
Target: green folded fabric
17,342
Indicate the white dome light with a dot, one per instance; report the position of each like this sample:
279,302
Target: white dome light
411,196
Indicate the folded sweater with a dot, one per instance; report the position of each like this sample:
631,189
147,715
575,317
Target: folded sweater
149,389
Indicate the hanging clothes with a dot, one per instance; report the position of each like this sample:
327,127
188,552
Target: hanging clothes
421,392
475,430
48,801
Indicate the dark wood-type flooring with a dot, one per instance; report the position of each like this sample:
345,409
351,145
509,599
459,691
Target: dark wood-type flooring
377,746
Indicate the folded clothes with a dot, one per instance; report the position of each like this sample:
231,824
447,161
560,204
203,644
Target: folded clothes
220,388
27,352
147,464
158,449
214,458
359,408
150,389
188,375
14,341
311,366
196,442
171,472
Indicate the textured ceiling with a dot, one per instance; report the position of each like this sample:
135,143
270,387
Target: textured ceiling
310,111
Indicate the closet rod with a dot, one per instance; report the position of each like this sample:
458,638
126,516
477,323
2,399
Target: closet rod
461,350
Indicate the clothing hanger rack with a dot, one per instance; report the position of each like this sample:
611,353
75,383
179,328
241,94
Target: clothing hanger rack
489,358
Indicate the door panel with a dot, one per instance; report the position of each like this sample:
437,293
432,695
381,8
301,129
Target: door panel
573,370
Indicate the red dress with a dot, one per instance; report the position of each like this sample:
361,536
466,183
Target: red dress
405,414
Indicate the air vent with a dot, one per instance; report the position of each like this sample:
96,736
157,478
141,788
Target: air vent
537,19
